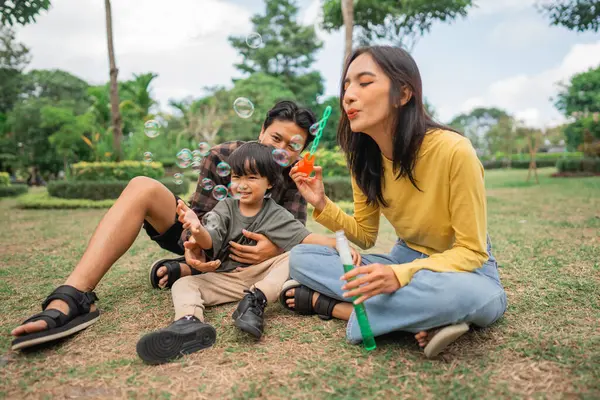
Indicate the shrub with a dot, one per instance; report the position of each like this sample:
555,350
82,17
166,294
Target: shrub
13,190
338,188
4,179
116,171
44,201
332,161
517,164
100,190
579,165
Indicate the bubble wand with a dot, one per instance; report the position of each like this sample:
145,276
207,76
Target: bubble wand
307,163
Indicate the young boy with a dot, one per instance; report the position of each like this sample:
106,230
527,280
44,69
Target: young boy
253,174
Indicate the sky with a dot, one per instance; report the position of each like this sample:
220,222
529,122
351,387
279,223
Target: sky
503,54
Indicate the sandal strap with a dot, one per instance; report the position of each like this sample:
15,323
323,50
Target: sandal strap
303,300
79,302
53,318
324,307
173,271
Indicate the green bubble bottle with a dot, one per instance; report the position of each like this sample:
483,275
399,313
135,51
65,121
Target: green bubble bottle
343,249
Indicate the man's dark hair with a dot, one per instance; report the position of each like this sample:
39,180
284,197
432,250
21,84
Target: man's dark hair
289,111
256,158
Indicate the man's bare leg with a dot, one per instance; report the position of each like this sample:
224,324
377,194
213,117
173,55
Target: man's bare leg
143,198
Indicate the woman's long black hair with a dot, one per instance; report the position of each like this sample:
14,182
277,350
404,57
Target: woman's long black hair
411,122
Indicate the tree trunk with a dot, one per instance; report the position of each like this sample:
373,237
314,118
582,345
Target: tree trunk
348,15
114,90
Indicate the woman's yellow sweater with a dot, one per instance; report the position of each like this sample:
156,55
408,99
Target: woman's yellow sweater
447,220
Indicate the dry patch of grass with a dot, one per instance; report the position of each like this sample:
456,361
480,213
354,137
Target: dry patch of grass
547,345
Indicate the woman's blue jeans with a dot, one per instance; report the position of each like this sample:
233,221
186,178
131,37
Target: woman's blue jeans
430,300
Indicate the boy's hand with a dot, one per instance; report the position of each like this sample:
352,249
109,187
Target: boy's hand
195,257
356,258
187,217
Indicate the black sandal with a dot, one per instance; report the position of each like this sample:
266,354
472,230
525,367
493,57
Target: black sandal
61,325
303,301
173,271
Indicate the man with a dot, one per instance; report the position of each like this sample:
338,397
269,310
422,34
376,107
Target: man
70,308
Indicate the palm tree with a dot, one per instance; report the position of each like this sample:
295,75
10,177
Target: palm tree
114,91
348,15
138,93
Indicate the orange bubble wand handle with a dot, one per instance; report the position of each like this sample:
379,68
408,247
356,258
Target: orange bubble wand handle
307,163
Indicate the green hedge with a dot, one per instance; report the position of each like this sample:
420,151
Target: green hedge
98,190
44,201
579,165
4,179
338,188
13,190
116,171
518,164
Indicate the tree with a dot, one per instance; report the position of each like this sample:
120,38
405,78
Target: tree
21,11
14,57
580,100
56,85
138,96
114,91
476,124
348,18
576,15
204,118
287,52
397,22
67,129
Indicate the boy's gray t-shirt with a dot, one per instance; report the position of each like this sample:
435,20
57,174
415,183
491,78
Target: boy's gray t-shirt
273,221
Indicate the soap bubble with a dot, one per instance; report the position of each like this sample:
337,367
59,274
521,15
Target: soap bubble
204,149
184,158
151,128
314,129
178,178
196,167
223,169
207,184
281,157
243,107
232,190
254,40
220,192
210,221
148,157
197,155
297,142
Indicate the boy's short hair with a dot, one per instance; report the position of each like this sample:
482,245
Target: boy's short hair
256,158
286,110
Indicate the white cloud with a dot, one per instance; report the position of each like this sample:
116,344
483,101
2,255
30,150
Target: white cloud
528,95
521,32
189,50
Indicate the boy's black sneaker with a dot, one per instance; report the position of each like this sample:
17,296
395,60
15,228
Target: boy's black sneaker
184,336
249,315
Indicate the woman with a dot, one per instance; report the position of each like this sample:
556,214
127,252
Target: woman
428,182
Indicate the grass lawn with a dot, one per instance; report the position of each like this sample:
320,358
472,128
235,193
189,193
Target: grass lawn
546,238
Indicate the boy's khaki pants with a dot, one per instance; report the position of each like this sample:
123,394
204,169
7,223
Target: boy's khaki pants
192,293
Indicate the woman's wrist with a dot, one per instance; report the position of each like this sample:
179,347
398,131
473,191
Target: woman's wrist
320,206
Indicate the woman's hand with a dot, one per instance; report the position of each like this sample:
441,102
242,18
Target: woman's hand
356,258
376,279
311,189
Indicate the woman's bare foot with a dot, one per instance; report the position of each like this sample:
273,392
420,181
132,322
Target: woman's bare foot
37,326
424,337
164,278
290,300
341,310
